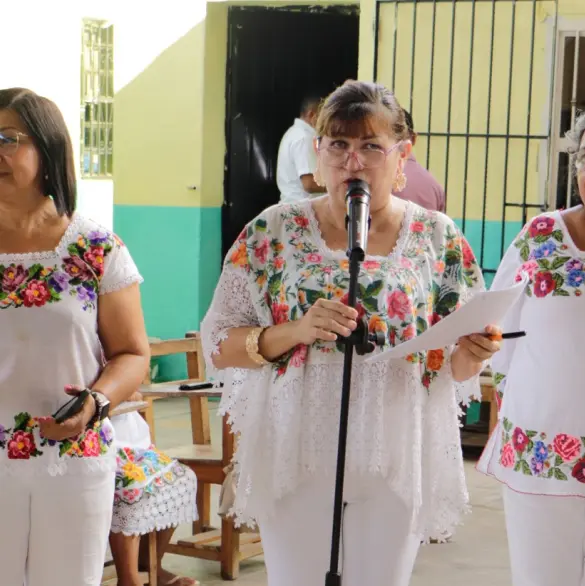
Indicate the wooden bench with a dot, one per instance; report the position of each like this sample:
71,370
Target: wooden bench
109,577
227,545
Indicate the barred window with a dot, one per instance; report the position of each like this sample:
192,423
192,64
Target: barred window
97,99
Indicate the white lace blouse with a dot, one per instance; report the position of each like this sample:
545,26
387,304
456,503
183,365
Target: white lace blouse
404,413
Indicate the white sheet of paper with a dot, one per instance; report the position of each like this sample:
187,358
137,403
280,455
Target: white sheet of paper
485,308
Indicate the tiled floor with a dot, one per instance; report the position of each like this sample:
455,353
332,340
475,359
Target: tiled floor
477,555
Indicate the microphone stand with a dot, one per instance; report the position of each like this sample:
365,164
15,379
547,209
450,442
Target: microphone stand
364,343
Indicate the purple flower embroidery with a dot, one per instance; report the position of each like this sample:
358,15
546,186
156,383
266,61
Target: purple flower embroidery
546,250
86,292
97,237
106,433
574,265
13,277
2,434
536,466
59,281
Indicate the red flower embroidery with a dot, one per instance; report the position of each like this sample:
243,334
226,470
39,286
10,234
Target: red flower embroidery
567,446
21,446
544,284
541,227
36,293
278,262
417,227
95,257
301,221
261,251
360,308
519,439
578,472
280,313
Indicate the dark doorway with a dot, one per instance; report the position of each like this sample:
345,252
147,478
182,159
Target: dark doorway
275,57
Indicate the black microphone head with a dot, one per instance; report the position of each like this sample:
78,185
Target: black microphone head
357,187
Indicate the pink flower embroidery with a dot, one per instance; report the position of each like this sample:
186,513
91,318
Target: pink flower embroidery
398,304
299,356
417,227
314,258
507,457
90,445
567,446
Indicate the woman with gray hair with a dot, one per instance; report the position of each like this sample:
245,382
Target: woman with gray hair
538,449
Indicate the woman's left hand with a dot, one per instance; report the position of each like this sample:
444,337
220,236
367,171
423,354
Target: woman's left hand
71,427
480,347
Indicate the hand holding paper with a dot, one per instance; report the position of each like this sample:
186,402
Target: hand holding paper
488,307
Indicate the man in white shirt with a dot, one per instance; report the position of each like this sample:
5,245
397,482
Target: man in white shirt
296,156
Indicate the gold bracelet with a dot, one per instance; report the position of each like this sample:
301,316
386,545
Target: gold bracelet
252,347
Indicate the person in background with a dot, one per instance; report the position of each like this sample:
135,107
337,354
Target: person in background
537,450
153,493
420,186
296,156
70,320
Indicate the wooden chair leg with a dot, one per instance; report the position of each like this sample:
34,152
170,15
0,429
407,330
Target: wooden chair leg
230,550
152,560
493,412
203,508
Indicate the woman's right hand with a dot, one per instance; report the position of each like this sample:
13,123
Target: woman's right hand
326,320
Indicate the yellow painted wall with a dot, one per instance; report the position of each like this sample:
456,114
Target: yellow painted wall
400,17
158,104
170,102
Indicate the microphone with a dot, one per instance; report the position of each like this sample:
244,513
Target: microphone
357,220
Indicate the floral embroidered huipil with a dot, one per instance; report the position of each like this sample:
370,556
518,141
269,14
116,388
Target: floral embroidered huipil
538,446
49,339
403,422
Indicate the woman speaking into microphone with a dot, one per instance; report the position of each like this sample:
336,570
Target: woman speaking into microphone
275,327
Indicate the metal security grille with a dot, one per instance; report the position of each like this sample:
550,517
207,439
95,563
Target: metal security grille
97,99
478,77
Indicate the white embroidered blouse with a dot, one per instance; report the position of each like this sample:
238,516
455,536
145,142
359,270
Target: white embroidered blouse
49,339
538,446
404,413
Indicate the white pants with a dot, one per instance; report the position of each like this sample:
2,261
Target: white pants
55,529
546,538
377,546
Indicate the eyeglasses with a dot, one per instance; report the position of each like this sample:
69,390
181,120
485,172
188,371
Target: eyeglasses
9,141
338,155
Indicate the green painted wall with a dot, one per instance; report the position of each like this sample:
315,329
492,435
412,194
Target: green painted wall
178,252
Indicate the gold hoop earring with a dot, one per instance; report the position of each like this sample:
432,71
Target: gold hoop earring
399,182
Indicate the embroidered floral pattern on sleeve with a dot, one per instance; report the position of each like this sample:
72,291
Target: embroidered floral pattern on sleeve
77,275
400,297
548,262
140,472
531,453
23,442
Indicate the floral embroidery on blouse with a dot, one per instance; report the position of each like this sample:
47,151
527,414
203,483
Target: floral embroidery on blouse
530,453
20,442
547,261
78,274
140,472
400,309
